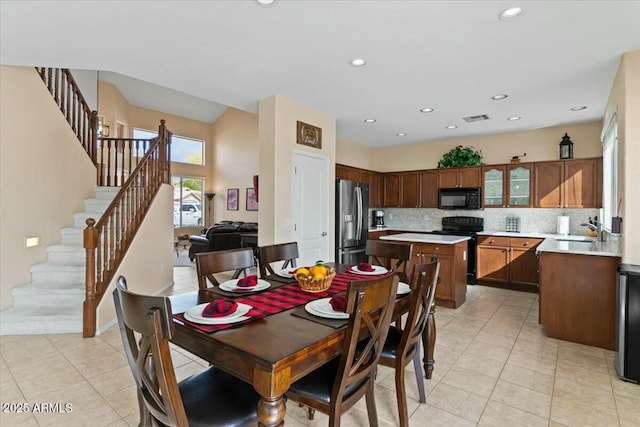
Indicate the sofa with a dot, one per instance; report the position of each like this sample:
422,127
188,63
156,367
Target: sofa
221,236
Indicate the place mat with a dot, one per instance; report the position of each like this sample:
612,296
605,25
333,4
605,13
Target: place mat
275,300
276,278
334,323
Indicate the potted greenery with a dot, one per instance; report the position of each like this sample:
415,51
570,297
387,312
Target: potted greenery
461,156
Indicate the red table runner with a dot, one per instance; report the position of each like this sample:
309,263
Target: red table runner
277,300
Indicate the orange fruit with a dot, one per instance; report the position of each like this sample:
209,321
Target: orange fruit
318,270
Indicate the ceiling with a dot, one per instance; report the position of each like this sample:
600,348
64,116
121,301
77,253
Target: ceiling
451,56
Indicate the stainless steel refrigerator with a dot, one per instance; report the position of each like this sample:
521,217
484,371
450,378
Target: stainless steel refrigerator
627,358
352,208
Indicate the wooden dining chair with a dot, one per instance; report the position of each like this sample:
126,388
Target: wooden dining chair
210,263
390,255
403,346
209,398
287,252
336,386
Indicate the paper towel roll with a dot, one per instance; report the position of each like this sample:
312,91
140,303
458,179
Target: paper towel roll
563,225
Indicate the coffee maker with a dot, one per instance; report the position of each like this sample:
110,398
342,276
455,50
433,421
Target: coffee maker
377,218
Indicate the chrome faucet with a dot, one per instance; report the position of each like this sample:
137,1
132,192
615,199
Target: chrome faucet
597,227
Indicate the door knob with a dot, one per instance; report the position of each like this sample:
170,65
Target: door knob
324,233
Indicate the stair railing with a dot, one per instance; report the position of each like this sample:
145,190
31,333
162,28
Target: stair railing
67,95
107,240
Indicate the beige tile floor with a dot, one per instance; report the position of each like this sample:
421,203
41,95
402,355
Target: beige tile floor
494,367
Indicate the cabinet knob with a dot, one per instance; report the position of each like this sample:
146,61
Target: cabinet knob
526,243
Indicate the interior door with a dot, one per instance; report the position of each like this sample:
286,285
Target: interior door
311,207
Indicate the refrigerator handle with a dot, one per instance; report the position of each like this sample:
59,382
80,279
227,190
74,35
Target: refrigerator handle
358,191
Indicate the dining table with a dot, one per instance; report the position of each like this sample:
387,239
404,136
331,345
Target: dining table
276,347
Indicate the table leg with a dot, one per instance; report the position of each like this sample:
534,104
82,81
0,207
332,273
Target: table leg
271,411
429,342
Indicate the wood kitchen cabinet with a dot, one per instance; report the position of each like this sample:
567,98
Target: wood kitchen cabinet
508,262
428,188
507,186
460,177
376,185
391,190
452,286
578,297
374,179
409,190
568,184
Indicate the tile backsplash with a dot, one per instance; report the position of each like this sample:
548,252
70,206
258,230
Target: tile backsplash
495,219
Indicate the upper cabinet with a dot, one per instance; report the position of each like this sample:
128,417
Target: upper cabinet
519,186
555,184
428,188
568,184
376,186
391,190
493,182
507,186
460,177
409,187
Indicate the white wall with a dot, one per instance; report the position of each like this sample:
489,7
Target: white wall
148,265
45,175
277,121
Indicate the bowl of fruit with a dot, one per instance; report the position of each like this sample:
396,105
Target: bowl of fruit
315,279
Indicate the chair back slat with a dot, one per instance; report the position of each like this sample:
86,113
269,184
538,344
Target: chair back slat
150,317
287,252
370,305
423,287
390,255
209,263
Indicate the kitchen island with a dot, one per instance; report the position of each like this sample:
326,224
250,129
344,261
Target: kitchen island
578,290
451,252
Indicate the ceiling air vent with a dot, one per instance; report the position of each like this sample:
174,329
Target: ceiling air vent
479,118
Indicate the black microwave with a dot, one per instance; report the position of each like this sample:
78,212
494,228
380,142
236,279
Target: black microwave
459,198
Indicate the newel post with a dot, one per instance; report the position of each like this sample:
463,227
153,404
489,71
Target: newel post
89,307
94,137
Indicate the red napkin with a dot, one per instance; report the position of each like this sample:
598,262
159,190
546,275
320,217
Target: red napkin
248,282
363,266
338,303
220,307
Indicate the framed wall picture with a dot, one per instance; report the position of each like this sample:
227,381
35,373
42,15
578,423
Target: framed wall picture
232,199
252,200
310,135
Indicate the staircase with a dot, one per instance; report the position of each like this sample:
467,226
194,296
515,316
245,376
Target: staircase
52,302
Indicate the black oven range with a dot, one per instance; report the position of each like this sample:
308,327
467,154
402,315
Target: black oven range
465,226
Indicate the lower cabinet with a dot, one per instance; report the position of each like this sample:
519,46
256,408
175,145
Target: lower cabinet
508,262
451,290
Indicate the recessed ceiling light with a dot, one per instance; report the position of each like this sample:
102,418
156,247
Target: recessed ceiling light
510,13
499,97
358,62
369,120
514,118
265,2
401,134
452,127
580,108
426,110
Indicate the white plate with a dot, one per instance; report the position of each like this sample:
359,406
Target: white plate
403,288
232,286
322,308
285,273
377,269
194,314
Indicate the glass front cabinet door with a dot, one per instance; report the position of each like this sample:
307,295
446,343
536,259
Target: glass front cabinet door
519,187
493,182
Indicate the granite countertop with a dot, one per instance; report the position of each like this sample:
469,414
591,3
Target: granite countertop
580,247
426,238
